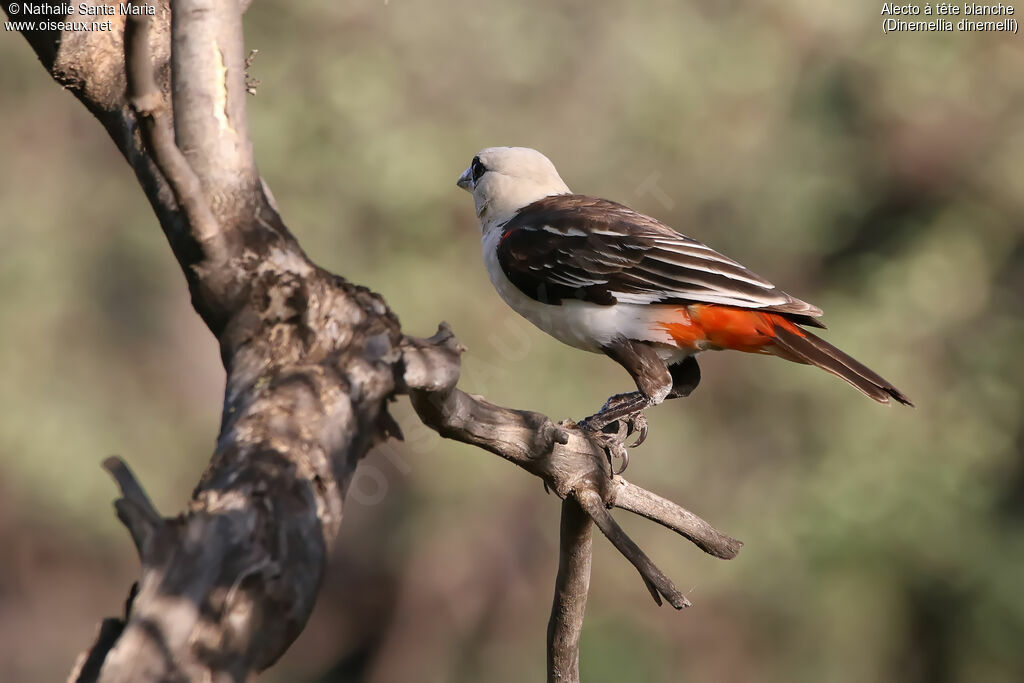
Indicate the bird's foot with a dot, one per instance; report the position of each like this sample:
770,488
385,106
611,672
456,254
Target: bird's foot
625,408
621,416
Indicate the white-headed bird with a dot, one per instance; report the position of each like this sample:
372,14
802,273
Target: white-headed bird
601,277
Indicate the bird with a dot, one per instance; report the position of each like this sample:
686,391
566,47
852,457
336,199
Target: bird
601,277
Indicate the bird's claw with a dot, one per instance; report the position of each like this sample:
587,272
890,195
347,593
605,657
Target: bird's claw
637,423
614,441
618,448
614,445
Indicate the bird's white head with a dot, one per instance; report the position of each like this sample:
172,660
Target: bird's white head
505,179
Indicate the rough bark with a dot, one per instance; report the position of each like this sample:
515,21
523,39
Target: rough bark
572,584
312,362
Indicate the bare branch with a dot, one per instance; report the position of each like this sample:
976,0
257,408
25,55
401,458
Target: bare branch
571,587
679,519
134,508
657,583
430,372
570,461
210,121
151,107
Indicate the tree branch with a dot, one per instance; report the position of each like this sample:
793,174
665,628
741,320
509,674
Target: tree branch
672,516
570,461
572,584
134,508
208,86
657,583
158,134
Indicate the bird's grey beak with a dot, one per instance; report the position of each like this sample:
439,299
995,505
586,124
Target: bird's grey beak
465,180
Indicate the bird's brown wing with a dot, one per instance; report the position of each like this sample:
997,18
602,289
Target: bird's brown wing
579,247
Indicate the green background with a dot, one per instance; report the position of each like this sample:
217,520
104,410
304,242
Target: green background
879,177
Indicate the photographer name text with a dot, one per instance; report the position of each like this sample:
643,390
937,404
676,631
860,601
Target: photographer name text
46,16
83,9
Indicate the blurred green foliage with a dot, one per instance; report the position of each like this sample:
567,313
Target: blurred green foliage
879,177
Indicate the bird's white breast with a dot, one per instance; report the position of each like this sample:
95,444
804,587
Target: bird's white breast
580,324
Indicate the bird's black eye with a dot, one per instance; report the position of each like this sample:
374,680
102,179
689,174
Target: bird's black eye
477,169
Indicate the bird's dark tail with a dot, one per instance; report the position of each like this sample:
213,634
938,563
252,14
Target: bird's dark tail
793,343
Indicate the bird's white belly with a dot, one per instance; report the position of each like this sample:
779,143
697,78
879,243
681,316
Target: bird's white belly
581,324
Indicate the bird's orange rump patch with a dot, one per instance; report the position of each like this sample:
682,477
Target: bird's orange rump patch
725,327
